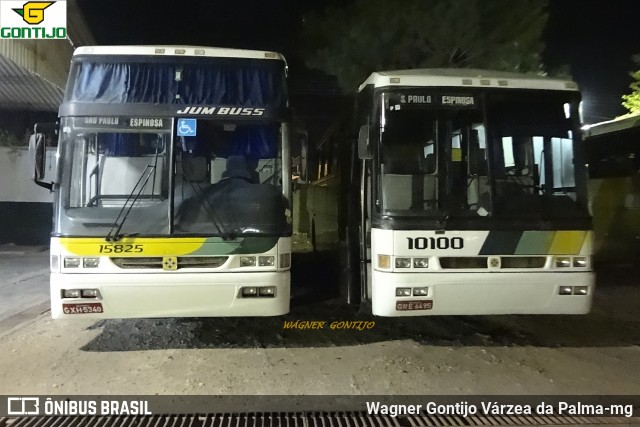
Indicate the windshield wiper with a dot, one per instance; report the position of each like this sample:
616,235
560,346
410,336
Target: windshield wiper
210,210
120,219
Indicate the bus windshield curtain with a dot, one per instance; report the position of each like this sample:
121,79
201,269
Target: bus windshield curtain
248,84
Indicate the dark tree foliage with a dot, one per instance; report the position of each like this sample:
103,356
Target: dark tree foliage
376,35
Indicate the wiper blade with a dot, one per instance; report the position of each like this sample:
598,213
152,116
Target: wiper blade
209,209
120,219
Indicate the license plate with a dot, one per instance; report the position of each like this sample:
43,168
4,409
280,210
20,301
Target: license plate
83,308
414,305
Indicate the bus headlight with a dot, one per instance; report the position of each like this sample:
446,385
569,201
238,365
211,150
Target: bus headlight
90,262
249,291
247,261
420,291
266,261
421,262
580,261
403,292
71,293
562,261
403,262
71,262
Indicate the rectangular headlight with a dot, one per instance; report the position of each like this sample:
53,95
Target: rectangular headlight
266,261
247,261
565,290
580,261
249,291
267,291
403,262
71,262
421,291
562,261
403,292
421,262
90,262
89,293
71,293
580,290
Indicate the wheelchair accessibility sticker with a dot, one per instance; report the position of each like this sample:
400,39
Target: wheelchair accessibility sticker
187,127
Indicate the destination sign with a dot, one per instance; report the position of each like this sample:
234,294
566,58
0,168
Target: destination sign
398,101
124,122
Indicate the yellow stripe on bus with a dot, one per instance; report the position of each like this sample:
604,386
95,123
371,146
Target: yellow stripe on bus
132,246
567,242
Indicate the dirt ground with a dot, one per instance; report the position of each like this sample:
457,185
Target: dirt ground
597,353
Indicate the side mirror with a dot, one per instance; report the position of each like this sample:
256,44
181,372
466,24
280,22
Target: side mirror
364,149
38,145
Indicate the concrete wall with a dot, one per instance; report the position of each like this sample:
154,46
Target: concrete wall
25,209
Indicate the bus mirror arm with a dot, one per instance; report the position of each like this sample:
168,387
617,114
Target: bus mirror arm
364,148
38,143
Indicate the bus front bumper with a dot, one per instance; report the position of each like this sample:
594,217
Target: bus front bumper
483,293
170,295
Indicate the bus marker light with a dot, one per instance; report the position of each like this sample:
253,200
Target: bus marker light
384,261
55,262
71,262
285,260
421,291
565,290
403,262
403,292
580,290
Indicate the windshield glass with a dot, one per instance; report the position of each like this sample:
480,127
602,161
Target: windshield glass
111,169
116,178
495,153
229,180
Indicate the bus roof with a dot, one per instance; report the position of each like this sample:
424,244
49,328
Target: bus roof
618,124
465,77
168,50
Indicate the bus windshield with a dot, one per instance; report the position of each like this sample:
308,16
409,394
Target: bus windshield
125,176
504,154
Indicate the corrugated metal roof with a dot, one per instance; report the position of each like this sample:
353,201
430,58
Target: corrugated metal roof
23,90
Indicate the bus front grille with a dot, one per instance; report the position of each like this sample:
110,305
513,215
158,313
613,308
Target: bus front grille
157,262
495,262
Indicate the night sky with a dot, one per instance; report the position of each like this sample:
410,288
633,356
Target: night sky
595,38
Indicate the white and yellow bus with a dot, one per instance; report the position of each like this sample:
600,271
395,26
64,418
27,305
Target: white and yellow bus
613,157
464,193
173,184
